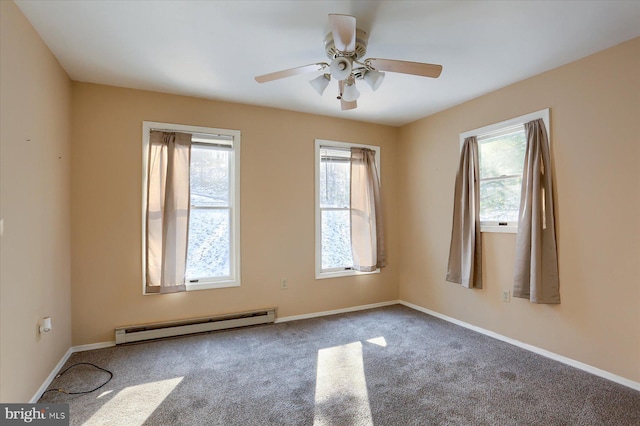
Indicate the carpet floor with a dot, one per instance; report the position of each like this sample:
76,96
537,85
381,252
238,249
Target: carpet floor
384,366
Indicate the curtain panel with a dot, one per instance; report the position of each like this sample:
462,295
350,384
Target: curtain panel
536,267
168,197
367,229
465,251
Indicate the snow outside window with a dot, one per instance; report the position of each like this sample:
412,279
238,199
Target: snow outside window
209,249
333,208
213,253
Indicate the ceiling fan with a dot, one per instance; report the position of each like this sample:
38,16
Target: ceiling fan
345,45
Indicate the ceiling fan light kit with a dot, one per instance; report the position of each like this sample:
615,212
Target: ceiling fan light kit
351,92
340,68
344,46
374,79
320,83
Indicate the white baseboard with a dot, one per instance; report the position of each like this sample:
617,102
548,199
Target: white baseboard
92,346
571,362
101,345
336,311
62,361
51,376
563,359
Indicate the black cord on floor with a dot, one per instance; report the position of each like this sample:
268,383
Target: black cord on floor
80,393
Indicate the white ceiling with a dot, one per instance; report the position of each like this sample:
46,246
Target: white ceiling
214,49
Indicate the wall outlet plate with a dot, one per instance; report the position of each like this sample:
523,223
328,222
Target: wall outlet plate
284,284
506,296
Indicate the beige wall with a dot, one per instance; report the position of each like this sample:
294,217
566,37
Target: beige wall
595,120
35,95
277,211
595,108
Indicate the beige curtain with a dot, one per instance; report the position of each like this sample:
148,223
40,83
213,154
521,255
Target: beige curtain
465,251
167,211
536,268
367,236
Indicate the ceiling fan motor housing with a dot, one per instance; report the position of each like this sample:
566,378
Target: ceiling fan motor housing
359,52
348,65
340,68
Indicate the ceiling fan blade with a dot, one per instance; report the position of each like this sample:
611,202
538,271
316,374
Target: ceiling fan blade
348,105
405,67
291,71
343,28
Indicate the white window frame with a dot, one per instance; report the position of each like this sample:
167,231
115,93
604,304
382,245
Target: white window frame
319,143
486,131
234,202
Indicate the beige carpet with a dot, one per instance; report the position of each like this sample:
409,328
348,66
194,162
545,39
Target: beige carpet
386,366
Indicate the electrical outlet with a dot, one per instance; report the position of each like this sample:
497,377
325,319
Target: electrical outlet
506,297
284,284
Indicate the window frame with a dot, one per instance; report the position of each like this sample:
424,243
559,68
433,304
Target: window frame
486,131
320,143
234,200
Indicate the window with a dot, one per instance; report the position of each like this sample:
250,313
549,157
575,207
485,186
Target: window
333,207
501,150
213,251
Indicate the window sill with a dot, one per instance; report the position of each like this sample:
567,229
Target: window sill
212,285
499,229
339,274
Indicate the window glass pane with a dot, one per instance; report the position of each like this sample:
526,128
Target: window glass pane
335,178
502,155
500,199
208,252
336,239
209,176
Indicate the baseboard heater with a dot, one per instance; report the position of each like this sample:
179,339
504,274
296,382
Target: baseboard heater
136,333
